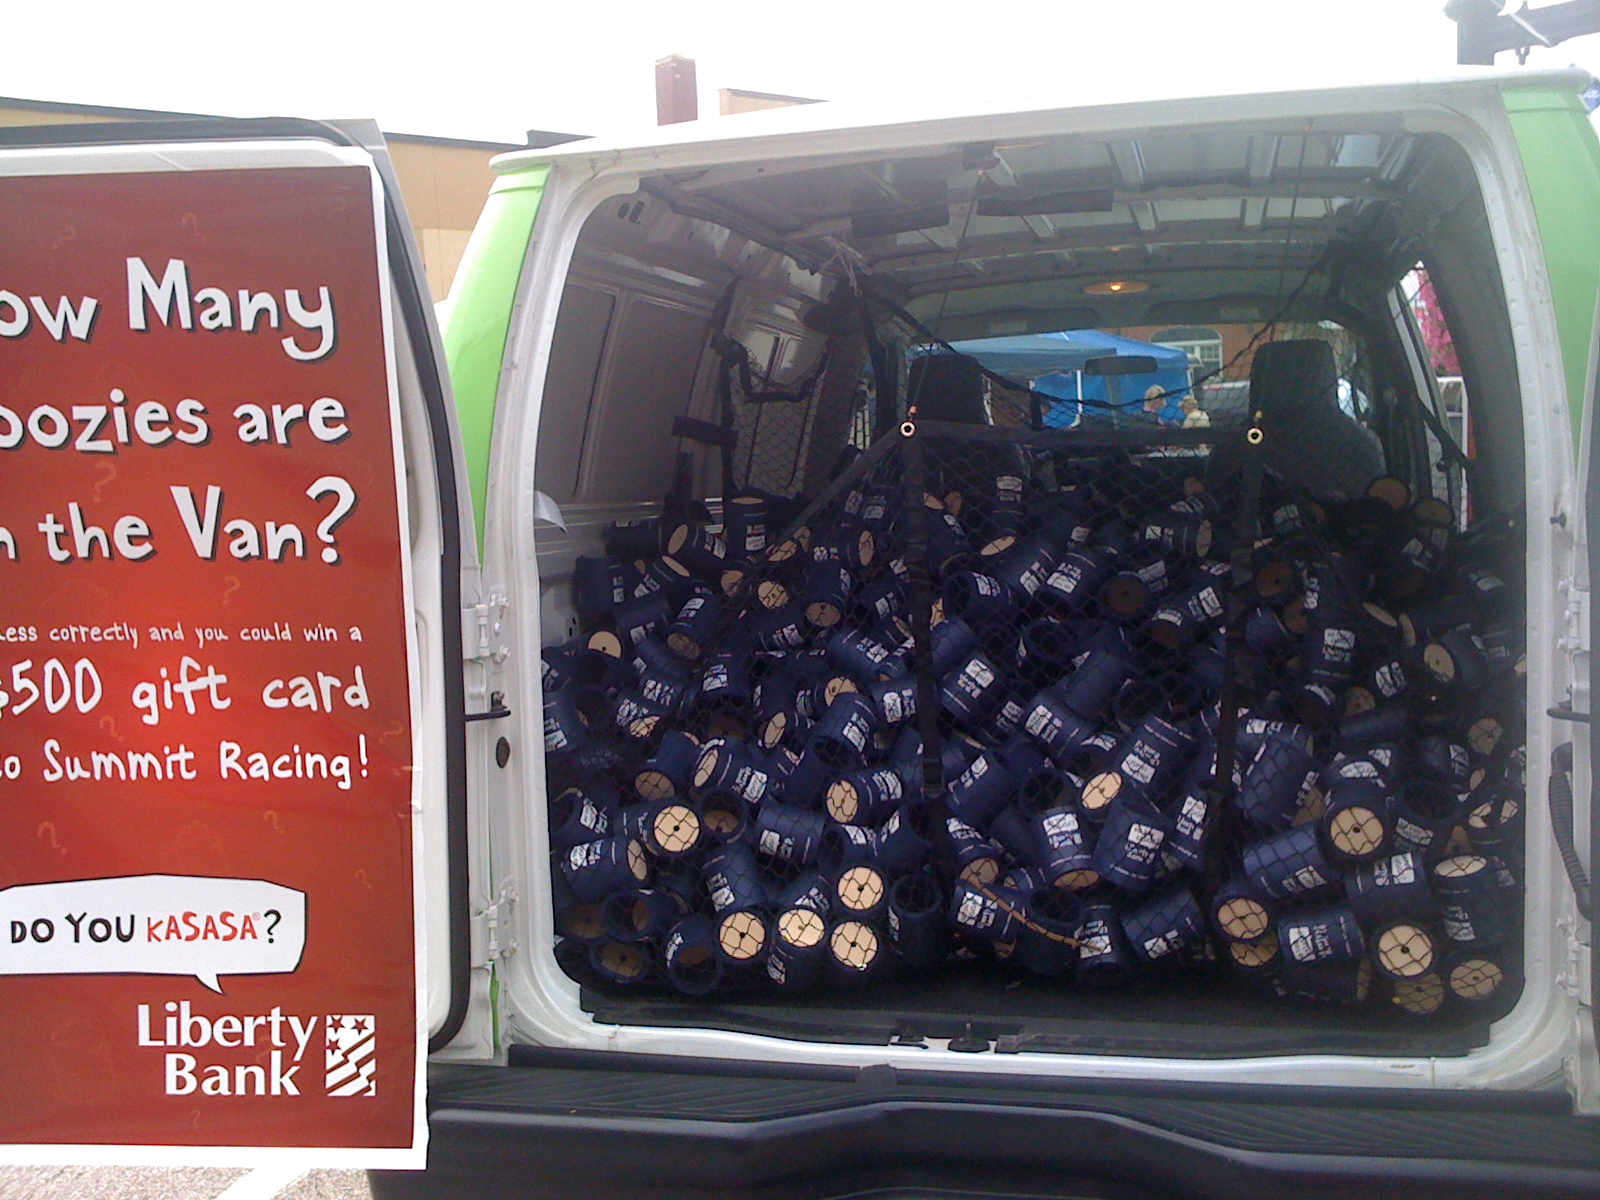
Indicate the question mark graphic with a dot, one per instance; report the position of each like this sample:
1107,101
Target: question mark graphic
233,586
110,726
342,508
271,818
272,927
108,472
362,876
50,827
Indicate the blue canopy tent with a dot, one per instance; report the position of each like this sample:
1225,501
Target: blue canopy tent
1051,364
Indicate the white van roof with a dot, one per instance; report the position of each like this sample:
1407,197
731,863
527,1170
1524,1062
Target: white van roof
840,127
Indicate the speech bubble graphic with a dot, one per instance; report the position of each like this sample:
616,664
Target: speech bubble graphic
152,925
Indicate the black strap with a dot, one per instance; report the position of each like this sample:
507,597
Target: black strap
920,598
1218,829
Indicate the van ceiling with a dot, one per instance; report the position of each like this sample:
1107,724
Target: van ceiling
1004,237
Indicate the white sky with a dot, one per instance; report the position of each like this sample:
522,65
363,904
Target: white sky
491,70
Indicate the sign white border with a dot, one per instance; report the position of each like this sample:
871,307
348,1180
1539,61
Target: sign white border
214,156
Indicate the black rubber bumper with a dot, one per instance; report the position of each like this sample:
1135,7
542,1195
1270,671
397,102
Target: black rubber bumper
615,1127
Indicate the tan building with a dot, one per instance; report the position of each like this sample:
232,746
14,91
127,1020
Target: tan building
444,180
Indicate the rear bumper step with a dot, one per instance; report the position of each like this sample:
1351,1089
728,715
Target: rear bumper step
581,1131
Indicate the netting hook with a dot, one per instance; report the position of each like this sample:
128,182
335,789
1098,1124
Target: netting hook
908,429
1255,437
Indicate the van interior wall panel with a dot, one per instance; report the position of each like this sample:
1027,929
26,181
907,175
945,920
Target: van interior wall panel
582,328
1210,553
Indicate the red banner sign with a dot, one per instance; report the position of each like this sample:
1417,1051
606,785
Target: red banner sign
207,913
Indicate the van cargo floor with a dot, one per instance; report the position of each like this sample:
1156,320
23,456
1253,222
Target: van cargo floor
1187,1018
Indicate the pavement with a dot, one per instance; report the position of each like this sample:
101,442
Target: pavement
172,1183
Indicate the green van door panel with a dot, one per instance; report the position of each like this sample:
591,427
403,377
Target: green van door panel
1561,160
478,317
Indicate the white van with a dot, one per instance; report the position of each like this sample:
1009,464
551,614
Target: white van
761,308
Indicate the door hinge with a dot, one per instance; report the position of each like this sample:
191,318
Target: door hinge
481,625
1575,631
1574,973
492,940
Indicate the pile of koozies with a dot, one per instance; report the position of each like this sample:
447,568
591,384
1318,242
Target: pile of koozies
736,765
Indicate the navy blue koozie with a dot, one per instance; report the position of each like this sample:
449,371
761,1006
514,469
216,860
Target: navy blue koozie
1404,950
1389,889
972,691
1193,810
693,966
859,655
575,817
1013,831
695,625
697,548
1274,782
807,890
1181,619
1345,981
1472,910
793,835
986,911
727,765
894,701
1089,690
1425,815
1482,980
1320,936
1240,913
593,870
856,952
564,727
798,954
1048,943
600,584
1151,756
672,829
1066,848
977,859
640,914
915,921
1052,723
901,847
1104,959
638,618
1076,579
845,846
952,641
842,732
620,962
733,879
1129,849
864,797
860,891
981,791
1288,864
1355,822
1163,925
724,816
979,599
747,526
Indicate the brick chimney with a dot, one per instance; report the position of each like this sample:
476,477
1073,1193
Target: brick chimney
677,97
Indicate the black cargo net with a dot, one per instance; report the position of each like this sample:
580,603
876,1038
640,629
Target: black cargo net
1106,705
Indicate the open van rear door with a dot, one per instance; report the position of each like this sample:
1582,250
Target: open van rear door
233,893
